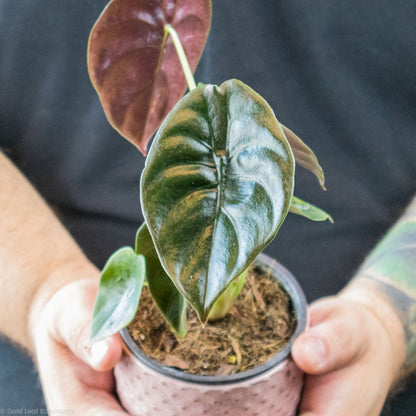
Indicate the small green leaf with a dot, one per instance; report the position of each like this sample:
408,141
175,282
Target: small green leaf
216,188
304,155
226,300
308,210
118,294
169,300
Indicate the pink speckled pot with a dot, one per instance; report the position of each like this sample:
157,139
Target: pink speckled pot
147,388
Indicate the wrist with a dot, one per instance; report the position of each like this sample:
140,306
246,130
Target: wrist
68,272
366,293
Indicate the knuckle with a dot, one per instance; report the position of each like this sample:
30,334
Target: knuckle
342,335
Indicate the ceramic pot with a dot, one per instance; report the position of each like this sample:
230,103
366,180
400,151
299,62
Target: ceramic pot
148,388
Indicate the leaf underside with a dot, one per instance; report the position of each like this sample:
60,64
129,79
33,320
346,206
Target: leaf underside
169,300
216,187
304,155
133,64
118,294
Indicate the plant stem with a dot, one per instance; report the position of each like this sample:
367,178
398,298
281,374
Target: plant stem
182,57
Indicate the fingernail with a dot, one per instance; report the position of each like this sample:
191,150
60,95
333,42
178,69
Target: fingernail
316,351
98,351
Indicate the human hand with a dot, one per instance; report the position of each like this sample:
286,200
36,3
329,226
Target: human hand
351,355
75,378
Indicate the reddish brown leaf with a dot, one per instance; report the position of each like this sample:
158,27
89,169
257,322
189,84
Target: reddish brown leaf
134,66
304,155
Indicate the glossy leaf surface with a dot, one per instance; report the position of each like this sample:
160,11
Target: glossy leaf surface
118,294
304,155
133,64
308,210
216,187
169,300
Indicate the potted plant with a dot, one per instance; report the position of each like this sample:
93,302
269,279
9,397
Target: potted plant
217,185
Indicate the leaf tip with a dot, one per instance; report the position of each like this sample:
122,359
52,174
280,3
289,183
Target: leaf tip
203,315
319,173
181,333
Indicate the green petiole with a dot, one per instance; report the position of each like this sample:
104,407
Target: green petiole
182,57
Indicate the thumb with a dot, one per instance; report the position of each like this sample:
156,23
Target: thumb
71,324
105,354
334,339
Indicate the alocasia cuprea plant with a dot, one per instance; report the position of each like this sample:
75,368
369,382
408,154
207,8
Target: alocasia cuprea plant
218,180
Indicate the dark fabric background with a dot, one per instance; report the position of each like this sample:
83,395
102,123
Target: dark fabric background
340,74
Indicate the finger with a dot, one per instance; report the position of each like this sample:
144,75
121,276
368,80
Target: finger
71,385
68,380
71,326
349,391
335,340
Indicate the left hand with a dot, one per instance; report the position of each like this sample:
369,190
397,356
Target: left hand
351,354
76,378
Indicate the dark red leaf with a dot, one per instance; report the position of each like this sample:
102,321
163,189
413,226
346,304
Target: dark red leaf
134,67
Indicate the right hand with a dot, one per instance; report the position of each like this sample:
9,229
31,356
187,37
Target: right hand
351,354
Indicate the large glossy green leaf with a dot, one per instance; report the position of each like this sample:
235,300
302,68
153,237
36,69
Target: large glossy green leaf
133,64
169,300
216,187
304,155
118,294
305,209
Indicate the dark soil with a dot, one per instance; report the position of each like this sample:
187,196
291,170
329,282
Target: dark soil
258,325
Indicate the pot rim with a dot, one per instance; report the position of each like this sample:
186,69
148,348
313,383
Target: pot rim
299,304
